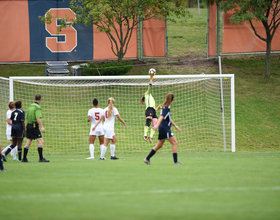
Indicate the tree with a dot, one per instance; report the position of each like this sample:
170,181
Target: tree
265,11
107,15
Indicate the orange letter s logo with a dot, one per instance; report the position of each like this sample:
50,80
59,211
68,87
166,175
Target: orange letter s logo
70,33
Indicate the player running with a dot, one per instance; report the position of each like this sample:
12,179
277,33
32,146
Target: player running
2,169
9,131
94,114
18,129
164,125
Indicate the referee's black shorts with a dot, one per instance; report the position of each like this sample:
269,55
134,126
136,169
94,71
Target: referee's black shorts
33,131
151,112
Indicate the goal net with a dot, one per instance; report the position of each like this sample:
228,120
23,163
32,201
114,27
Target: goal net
203,109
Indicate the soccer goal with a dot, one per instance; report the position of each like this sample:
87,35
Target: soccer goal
203,109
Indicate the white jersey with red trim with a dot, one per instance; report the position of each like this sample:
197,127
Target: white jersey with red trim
110,123
96,114
8,127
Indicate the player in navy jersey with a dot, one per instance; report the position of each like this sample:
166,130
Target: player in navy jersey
18,129
9,131
164,124
2,169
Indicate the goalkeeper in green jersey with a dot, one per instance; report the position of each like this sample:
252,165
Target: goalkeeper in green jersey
151,116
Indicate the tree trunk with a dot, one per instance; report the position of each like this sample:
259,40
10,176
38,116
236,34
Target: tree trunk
268,59
120,54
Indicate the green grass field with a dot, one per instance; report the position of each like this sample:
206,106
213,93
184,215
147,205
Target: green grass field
209,185
241,185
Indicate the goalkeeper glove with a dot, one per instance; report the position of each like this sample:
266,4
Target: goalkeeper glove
159,107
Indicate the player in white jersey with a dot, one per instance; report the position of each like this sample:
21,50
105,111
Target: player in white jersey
110,113
9,131
94,114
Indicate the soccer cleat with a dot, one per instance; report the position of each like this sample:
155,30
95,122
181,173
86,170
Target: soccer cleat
24,160
15,159
4,170
90,158
178,163
43,160
147,161
4,157
145,138
150,139
114,158
102,158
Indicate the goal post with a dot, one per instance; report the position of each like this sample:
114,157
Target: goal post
196,110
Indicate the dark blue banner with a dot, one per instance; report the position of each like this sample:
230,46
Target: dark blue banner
72,43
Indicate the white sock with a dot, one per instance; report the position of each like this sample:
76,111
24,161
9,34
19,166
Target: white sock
101,147
6,148
91,150
103,151
14,152
112,148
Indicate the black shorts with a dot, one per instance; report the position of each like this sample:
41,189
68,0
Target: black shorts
164,134
17,133
151,112
33,131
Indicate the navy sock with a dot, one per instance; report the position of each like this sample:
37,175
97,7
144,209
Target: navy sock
9,150
1,162
19,155
152,153
175,157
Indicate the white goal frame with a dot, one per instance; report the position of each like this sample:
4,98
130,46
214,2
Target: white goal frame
142,77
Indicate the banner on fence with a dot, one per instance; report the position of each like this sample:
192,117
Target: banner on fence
238,38
24,38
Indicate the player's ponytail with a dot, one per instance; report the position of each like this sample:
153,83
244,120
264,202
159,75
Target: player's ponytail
111,102
143,99
169,99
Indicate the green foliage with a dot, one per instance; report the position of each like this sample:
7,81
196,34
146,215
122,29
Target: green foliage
107,69
118,18
247,10
264,11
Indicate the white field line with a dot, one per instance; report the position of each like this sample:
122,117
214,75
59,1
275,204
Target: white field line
187,190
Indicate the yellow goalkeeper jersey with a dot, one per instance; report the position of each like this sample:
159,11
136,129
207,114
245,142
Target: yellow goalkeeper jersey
149,99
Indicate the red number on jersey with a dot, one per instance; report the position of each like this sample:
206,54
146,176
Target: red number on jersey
97,116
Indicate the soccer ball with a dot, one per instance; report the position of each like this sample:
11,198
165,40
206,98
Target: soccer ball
152,72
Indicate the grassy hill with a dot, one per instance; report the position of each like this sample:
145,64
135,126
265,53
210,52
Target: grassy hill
257,99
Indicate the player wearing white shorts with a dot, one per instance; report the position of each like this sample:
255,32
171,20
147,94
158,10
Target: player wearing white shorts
94,114
110,113
9,131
